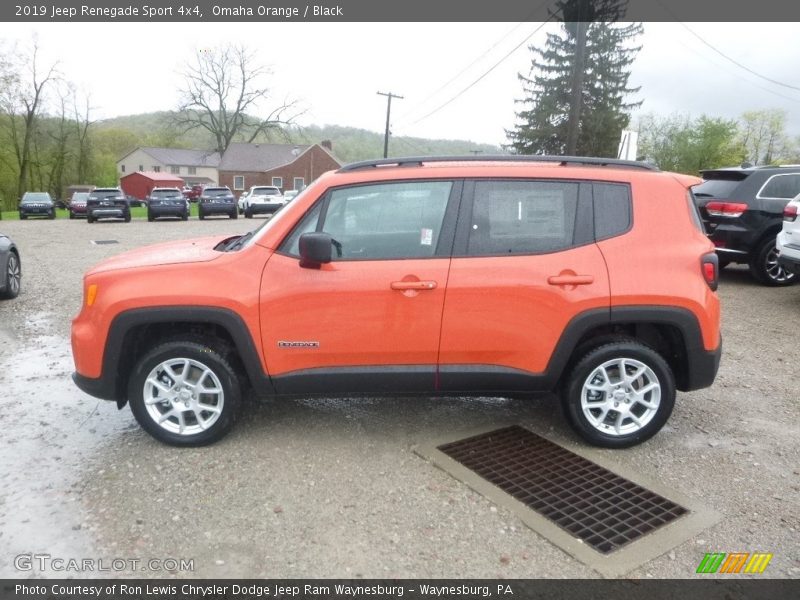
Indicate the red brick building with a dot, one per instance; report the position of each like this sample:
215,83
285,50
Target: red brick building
286,166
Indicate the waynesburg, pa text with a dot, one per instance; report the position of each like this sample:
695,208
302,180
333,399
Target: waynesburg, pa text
261,591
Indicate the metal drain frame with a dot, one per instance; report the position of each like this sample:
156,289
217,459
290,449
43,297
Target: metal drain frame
615,564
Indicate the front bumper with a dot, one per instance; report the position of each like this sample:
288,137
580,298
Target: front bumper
43,211
101,388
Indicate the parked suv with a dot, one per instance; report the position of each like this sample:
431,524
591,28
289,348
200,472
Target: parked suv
742,209
463,276
263,200
77,205
788,240
36,204
167,202
104,203
217,201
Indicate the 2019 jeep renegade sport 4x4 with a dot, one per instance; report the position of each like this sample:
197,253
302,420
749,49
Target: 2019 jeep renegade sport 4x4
467,276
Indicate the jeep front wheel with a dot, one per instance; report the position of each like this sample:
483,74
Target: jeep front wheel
619,394
184,393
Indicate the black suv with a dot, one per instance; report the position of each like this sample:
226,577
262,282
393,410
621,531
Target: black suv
37,204
217,201
742,209
167,202
104,203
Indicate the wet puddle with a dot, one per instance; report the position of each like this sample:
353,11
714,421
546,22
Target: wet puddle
50,430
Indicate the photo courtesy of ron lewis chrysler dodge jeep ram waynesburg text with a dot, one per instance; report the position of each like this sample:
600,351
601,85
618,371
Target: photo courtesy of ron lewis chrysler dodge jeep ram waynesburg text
465,276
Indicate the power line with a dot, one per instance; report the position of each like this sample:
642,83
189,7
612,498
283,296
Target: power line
737,63
478,59
492,68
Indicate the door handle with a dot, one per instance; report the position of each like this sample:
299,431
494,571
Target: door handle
413,285
570,279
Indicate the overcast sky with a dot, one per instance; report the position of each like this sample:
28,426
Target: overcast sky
335,70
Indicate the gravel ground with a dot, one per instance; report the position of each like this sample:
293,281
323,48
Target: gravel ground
332,488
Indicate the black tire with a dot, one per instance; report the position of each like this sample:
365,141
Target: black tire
185,216
658,371
71,216
200,214
128,217
150,217
248,214
52,214
765,268
12,266
201,352
234,215
22,217
89,218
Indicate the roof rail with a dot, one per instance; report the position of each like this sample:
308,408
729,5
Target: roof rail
418,161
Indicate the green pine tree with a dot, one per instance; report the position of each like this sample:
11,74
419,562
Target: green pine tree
576,100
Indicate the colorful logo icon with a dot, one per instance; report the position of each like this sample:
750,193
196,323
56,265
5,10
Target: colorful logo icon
734,562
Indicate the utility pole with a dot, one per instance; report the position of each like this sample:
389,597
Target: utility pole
389,97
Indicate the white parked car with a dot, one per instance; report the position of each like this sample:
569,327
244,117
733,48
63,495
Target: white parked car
788,240
240,202
263,199
289,195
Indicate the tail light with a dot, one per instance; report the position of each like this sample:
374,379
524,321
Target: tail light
726,209
790,212
709,265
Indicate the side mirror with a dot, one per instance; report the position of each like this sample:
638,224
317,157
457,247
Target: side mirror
315,249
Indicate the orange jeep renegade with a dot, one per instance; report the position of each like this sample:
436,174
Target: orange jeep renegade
464,276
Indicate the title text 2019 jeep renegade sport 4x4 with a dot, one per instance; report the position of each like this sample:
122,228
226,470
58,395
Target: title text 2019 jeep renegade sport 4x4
466,276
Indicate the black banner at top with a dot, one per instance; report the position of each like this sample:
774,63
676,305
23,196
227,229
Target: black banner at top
389,11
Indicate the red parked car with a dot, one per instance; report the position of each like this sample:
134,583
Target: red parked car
192,193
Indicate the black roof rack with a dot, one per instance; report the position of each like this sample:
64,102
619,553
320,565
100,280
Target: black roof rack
418,161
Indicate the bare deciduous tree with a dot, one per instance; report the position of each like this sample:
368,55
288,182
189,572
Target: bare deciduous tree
21,99
225,91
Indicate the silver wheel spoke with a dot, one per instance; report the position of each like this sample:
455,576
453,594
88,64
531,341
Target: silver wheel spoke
620,397
158,385
192,380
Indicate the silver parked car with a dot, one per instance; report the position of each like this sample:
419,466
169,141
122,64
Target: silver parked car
10,268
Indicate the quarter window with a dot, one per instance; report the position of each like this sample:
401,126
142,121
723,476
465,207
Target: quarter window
612,209
781,186
522,217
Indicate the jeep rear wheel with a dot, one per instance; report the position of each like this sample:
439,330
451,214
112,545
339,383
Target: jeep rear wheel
765,266
619,394
184,393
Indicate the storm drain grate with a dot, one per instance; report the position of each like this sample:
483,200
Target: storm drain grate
104,242
590,502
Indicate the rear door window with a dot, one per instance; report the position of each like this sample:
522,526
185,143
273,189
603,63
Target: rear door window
522,217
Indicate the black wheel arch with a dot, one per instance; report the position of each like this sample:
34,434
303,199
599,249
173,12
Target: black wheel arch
135,331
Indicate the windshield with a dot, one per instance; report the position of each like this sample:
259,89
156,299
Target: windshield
35,197
715,188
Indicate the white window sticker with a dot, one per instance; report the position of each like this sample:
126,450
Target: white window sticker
426,239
